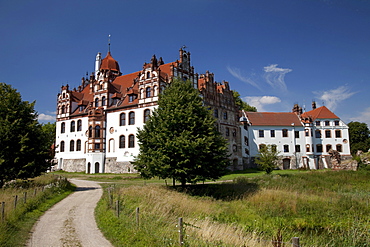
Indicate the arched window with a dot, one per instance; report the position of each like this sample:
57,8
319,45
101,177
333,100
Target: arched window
63,109
131,141
96,102
122,119
148,75
103,101
131,117
90,131
307,148
141,93
328,147
73,126
78,145
122,141
97,131
62,146
155,91
72,146
339,148
146,115
148,92
63,128
79,125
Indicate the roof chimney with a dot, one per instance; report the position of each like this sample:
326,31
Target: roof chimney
313,105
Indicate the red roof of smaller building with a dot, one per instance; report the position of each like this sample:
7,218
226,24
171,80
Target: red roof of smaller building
273,118
321,112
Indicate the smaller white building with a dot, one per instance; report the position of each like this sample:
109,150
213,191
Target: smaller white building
302,139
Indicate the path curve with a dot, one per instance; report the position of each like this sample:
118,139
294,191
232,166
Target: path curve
71,222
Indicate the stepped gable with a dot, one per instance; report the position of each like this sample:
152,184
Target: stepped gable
321,113
273,118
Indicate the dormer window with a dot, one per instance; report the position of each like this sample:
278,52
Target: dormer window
131,98
103,101
96,102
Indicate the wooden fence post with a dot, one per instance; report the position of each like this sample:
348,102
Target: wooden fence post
34,193
15,201
109,197
2,211
117,208
295,242
181,234
137,217
25,197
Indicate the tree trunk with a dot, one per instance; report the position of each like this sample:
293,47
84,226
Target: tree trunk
173,182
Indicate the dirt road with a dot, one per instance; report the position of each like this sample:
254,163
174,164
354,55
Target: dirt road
71,222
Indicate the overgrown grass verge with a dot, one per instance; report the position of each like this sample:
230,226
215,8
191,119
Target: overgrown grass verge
329,208
17,224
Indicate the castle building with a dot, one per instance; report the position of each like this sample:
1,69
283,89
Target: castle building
97,122
303,140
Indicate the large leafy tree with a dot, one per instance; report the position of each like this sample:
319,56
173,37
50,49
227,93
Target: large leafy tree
359,137
179,140
242,104
23,146
267,158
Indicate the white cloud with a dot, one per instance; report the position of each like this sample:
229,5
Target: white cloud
236,73
44,117
364,117
260,101
274,76
334,96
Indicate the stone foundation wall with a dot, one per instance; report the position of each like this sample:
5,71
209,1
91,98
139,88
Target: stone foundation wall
74,165
112,166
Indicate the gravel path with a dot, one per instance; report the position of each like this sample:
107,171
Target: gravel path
71,222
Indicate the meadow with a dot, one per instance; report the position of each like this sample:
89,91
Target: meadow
322,208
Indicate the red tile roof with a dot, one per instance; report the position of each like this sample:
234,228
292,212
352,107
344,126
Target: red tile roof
273,118
109,63
321,112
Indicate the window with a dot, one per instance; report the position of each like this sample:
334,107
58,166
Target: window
62,146
146,115
103,101
307,148
339,148
327,123
82,107
155,91
319,148
72,145
286,148
148,92
90,131
97,145
96,102
307,132
234,132
272,133
122,143
147,75
273,148
122,119
131,98
317,133
296,134
338,134
327,134
97,131
79,125
246,141
328,147
262,147
215,113
336,123
131,117
63,109
73,126
227,131
131,141
285,133
63,128
261,133
298,148
78,145
225,115
235,148
317,123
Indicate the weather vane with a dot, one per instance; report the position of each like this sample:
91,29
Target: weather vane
109,43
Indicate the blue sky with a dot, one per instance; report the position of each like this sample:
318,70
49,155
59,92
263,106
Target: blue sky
274,53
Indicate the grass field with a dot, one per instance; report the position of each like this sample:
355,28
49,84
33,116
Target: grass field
322,208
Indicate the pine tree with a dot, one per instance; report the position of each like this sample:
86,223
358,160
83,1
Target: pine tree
179,140
23,149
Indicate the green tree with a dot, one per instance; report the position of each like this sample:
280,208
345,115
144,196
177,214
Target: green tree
267,158
358,137
179,140
241,104
49,130
23,146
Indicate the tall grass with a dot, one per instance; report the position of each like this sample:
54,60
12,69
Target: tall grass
322,208
42,193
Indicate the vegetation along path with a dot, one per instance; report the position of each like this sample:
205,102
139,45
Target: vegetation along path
71,222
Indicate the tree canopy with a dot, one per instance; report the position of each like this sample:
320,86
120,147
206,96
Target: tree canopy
23,146
359,137
179,140
241,104
267,158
